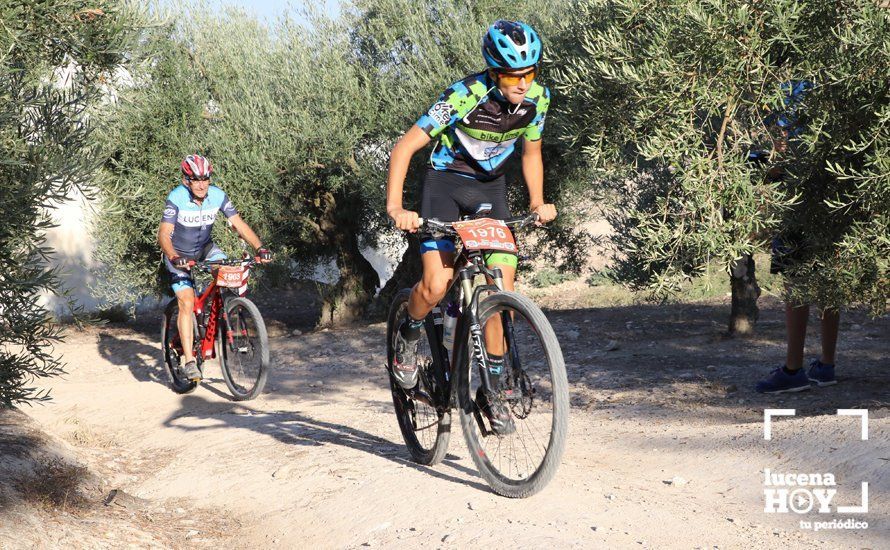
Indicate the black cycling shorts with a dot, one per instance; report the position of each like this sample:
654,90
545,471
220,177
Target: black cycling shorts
447,196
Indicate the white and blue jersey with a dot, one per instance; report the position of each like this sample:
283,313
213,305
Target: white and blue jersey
192,222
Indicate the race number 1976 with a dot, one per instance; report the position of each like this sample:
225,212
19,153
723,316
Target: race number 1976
486,234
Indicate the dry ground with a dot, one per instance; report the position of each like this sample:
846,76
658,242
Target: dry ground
666,446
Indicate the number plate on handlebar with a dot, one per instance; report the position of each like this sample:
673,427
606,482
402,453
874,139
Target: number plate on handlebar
232,276
485,234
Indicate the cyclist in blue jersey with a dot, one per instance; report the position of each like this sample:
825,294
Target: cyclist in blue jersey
184,236
478,122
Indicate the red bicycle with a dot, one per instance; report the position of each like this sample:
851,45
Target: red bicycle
227,326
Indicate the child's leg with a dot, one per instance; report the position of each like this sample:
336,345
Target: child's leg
831,319
796,326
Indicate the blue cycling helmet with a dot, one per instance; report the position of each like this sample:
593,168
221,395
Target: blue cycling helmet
511,45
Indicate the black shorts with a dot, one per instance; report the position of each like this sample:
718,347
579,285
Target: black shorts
447,196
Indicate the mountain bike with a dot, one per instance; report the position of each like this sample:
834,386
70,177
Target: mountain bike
532,384
227,326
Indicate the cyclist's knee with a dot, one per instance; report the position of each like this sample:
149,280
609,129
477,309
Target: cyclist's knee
432,289
185,299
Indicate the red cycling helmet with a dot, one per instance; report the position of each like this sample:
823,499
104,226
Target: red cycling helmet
196,167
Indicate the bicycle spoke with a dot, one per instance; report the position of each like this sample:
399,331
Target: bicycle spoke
419,422
517,456
242,348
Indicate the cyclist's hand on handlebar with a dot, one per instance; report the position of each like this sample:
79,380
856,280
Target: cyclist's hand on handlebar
264,254
406,220
546,213
180,262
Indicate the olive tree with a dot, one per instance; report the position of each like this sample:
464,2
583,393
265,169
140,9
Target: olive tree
669,101
56,58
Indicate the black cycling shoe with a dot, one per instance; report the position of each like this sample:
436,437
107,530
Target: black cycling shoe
404,364
191,371
497,413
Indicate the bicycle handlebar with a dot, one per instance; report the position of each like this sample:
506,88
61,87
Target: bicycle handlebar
517,222
207,265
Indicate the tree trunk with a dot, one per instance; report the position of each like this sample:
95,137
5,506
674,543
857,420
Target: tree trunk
745,292
346,301
407,273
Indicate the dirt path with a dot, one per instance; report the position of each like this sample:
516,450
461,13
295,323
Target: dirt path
666,445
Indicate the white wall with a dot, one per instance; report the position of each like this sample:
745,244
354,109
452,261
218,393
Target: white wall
73,249
73,252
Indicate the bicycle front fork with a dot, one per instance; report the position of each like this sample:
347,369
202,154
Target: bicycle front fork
477,336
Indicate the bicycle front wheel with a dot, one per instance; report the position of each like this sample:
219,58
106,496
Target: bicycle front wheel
425,430
534,389
243,354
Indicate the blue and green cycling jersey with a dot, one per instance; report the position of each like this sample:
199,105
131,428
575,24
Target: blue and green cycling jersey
192,222
478,128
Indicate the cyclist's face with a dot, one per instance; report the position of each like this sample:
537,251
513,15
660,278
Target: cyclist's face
198,187
513,88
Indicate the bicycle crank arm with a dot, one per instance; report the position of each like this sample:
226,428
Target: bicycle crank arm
482,428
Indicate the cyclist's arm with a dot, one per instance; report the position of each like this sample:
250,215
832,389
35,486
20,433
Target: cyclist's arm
165,239
245,232
533,172
414,140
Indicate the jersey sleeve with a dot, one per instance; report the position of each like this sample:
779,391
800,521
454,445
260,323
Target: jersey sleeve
454,104
227,208
535,130
171,211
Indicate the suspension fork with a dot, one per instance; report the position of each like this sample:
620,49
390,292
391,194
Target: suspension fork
507,323
515,363
471,304
230,339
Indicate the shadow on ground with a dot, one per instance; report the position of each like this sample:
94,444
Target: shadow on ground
294,428
33,470
143,361
655,359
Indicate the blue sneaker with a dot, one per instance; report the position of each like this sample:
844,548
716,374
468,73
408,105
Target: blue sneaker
821,374
781,382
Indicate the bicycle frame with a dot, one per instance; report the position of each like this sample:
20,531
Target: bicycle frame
213,296
468,326
467,267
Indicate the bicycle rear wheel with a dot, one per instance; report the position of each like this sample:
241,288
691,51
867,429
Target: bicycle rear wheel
534,388
172,347
425,430
244,361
